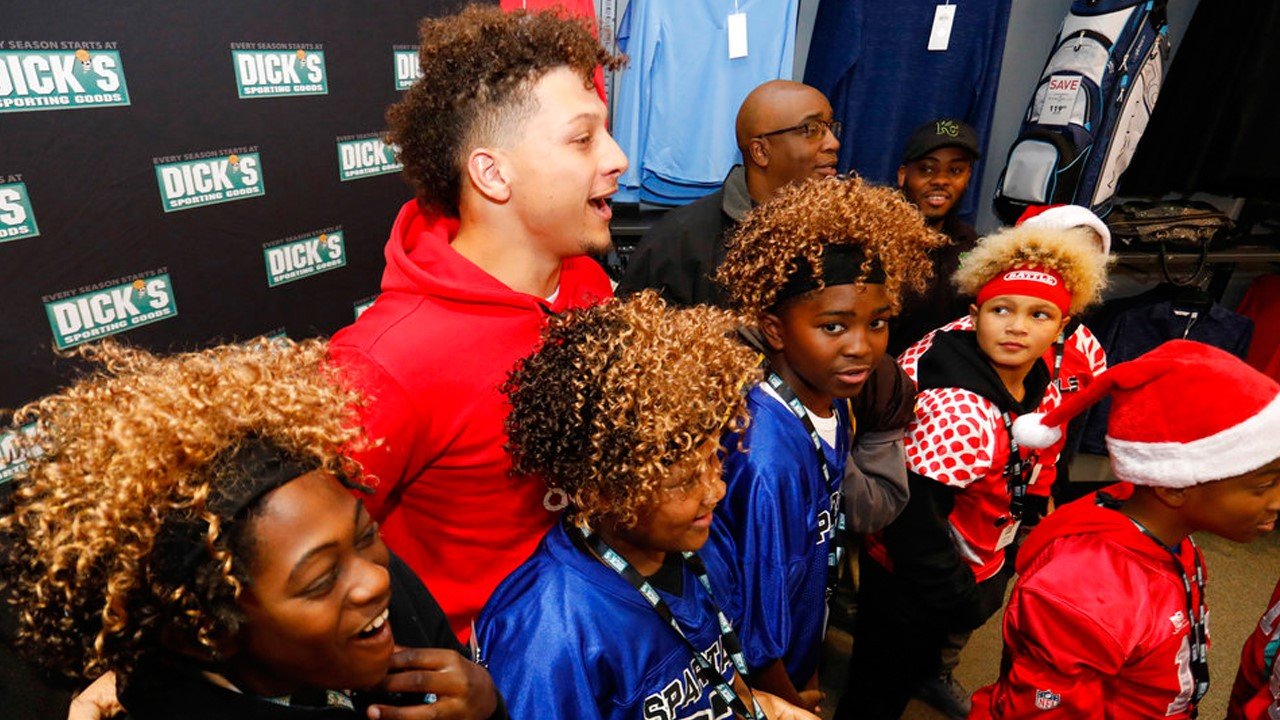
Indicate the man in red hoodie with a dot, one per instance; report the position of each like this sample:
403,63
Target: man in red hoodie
505,142
1108,617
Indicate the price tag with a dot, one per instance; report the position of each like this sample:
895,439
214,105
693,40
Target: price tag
737,35
1060,99
940,35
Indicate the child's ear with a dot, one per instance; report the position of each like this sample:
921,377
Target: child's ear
973,312
1063,325
771,329
1175,498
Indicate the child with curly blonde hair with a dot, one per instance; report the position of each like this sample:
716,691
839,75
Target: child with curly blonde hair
817,272
615,616
939,571
187,523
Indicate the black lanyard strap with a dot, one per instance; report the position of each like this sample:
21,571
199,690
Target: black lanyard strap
835,550
1199,634
1017,471
728,638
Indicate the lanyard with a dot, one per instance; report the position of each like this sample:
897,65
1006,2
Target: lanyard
1199,635
728,638
835,550
1017,471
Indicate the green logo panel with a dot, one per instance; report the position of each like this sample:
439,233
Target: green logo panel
209,181
271,73
33,80
303,258
106,311
366,157
17,221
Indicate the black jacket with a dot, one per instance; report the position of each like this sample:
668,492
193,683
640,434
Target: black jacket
941,303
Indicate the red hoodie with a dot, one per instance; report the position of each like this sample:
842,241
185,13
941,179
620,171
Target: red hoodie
1256,694
431,353
1096,626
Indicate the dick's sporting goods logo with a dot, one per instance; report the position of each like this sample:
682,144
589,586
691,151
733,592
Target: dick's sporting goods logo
14,452
271,69
110,307
405,59
50,75
16,219
208,178
361,305
366,155
300,256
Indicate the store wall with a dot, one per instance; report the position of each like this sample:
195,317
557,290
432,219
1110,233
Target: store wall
186,173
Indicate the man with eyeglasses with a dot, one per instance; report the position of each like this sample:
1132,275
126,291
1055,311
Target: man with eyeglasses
937,164
786,133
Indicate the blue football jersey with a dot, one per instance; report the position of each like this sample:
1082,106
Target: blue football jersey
777,523
566,637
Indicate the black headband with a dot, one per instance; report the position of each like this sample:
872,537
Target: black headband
841,265
240,476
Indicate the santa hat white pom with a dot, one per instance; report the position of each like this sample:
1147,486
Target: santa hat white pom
1030,431
1181,415
1067,216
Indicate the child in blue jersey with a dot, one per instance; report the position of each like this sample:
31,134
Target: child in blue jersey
614,615
818,269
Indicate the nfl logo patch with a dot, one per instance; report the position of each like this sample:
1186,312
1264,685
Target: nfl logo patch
1047,699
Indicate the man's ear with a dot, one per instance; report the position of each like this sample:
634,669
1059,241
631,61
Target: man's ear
759,150
771,329
902,174
1173,497
489,174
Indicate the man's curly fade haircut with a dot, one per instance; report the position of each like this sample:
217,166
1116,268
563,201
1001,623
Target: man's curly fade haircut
125,452
1070,252
619,394
478,70
804,216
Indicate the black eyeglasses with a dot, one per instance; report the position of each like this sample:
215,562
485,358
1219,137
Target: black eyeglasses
810,129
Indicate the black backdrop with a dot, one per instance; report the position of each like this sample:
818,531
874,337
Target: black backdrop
91,180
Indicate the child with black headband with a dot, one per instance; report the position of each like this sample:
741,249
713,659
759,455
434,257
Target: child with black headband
615,616
817,273
938,571
188,524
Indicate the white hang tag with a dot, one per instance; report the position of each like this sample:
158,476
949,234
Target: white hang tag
940,35
737,35
1007,535
1059,99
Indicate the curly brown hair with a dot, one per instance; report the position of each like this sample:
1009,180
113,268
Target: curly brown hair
127,451
803,217
1070,252
620,393
478,70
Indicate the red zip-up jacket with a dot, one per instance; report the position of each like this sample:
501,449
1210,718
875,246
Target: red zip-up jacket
1097,624
431,353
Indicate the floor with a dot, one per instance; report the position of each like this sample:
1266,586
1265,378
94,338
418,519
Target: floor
1241,578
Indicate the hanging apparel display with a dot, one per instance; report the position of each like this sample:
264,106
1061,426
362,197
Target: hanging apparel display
1089,109
1261,304
1129,327
678,98
872,59
1219,109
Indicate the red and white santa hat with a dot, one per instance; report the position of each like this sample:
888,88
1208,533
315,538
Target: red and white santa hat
1066,216
1183,414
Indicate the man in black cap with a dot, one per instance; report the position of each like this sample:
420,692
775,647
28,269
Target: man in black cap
936,166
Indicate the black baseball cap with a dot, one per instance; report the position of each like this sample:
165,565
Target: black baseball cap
943,132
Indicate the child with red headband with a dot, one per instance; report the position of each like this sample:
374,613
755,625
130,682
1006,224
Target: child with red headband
938,571
1108,617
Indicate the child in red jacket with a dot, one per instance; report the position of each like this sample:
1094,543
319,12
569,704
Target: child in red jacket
1256,694
1108,616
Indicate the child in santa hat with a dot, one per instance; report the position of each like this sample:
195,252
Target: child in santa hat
1108,615
1256,694
938,571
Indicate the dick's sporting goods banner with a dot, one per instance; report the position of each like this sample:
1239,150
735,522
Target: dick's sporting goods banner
183,174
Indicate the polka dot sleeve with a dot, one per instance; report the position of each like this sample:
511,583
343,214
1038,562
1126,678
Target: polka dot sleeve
952,438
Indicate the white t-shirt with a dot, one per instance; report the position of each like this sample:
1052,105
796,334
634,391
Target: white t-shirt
826,426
